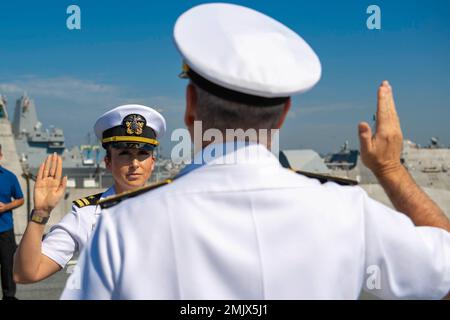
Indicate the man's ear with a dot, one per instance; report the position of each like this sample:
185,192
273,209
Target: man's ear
191,103
287,107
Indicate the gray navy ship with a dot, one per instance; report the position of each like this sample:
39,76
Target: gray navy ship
429,166
81,164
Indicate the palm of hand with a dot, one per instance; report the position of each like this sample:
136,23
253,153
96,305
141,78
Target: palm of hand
47,193
49,187
381,152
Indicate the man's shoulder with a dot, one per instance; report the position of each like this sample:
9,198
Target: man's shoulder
323,191
324,178
7,173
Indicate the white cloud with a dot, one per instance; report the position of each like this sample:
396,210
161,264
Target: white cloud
10,88
83,95
63,87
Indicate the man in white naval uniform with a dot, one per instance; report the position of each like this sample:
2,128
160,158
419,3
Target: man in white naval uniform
129,134
236,224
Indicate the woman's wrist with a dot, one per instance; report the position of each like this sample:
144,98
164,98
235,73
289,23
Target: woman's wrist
42,212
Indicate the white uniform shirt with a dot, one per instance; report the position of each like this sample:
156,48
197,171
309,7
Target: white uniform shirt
254,230
71,234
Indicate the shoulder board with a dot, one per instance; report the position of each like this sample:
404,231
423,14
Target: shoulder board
88,201
116,199
323,178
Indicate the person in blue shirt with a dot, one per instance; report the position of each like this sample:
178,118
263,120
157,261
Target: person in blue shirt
11,197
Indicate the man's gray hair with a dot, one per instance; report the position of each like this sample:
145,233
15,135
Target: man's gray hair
218,113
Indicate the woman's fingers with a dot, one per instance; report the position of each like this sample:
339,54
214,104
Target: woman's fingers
48,164
58,169
53,168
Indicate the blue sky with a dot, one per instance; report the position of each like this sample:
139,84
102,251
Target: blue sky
124,53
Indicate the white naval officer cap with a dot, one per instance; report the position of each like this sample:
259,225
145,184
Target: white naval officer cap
130,125
242,55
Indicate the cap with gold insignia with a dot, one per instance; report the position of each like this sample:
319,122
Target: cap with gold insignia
130,125
242,55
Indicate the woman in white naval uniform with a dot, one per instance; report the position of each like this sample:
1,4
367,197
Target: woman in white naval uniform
129,134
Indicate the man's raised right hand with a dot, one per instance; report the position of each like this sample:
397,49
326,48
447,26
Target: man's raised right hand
381,152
